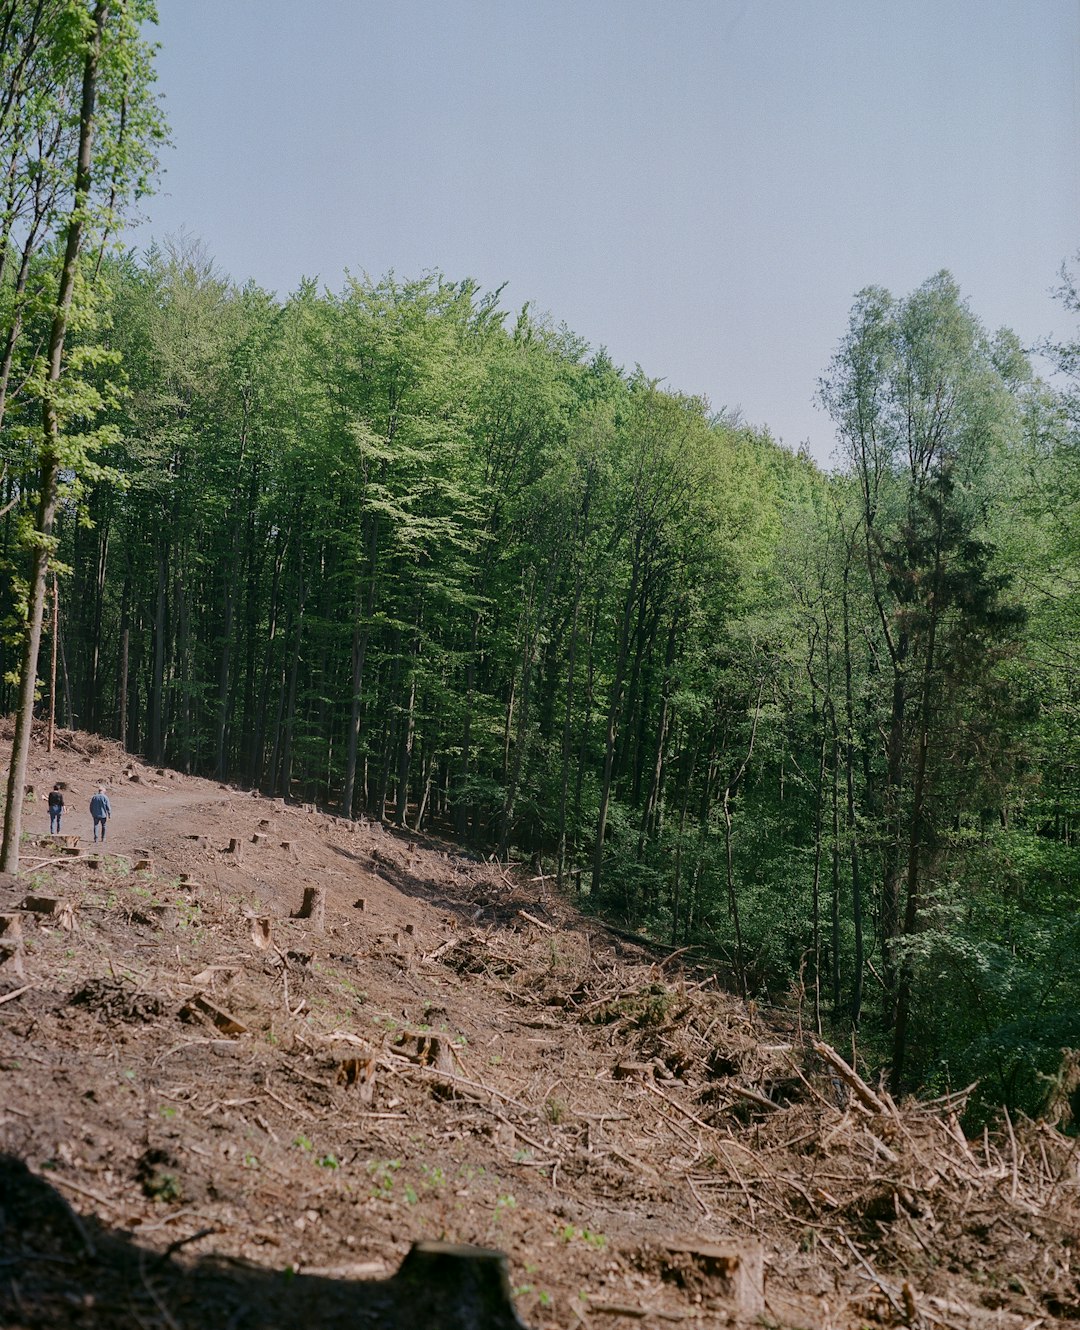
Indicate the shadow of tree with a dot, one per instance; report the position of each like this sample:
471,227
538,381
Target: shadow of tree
59,1269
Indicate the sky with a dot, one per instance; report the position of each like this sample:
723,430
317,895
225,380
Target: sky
701,186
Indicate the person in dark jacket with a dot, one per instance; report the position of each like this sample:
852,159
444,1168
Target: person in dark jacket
100,811
56,809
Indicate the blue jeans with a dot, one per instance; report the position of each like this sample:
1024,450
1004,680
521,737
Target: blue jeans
55,815
99,821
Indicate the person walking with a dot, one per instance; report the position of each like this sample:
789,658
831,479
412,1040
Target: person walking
100,811
56,809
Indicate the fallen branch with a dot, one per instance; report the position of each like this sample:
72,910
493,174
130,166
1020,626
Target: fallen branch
850,1077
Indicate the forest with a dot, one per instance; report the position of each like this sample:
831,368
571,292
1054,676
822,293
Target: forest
399,551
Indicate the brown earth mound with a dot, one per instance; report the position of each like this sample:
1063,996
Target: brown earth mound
250,1053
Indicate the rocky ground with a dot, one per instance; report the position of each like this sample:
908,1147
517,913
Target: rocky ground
214,1113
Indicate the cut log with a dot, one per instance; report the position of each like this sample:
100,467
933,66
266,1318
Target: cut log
313,908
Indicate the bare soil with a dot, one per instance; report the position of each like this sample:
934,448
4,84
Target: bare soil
213,1113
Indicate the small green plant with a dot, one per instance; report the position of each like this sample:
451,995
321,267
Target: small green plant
328,1161
572,1233
250,1160
303,1142
409,1194
554,1111
433,1176
167,1112
163,1187
381,1172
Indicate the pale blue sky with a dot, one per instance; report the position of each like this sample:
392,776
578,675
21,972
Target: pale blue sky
700,186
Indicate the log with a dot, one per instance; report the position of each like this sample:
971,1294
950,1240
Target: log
850,1077
313,908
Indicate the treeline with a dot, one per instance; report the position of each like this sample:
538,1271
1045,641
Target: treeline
395,551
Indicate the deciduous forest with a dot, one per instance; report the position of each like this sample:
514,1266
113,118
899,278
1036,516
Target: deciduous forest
408,554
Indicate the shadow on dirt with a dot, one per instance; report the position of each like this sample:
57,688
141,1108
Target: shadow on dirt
59,1269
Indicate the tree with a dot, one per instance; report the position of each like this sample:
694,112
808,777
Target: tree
113,65
923,409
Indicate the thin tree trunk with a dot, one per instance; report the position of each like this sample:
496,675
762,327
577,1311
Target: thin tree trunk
52,670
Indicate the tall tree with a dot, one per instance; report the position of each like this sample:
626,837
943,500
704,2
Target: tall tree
112,53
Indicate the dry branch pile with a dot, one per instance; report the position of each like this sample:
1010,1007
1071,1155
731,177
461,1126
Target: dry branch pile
202,1074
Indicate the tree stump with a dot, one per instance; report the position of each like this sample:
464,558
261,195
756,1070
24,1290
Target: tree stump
57,911
11,943
261,932
360,903
738,1267
456,1287
258,839
313,908
144,866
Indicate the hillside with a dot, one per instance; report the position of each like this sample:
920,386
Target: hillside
228,1116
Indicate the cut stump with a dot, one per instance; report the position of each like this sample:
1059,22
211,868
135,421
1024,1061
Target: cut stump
313,908
738,1267
457,1287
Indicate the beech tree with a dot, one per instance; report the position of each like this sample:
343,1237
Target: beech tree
100,53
